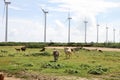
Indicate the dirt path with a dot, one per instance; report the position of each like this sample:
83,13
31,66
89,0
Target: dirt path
11,78
58,78
103,49
92,48
43,77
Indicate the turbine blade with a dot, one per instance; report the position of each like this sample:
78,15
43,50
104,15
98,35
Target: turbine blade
42,10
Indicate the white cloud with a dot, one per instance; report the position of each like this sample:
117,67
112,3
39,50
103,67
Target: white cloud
24,30
15,8
57,33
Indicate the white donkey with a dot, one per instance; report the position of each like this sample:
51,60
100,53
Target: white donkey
68,52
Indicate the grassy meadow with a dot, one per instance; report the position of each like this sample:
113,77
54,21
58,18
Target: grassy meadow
88,64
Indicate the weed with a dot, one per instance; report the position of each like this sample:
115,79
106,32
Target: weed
52,65
84,66
12,55
71,71
41,54
45,54
98,70
1,55
29,65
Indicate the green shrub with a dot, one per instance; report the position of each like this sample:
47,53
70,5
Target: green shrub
1,55
71,71
98,70
45,54
27,44
12,55
52,65
35,45
35,54
29,65
84,66
26,55
41,54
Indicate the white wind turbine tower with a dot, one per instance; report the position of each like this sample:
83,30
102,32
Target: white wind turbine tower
114,35
119,36
85,29
6,23
69,19
97,25
98,32
107,34
45,14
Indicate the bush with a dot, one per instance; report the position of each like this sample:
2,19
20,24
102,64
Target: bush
41,54
1,55
84,66
98,70
45,54
12,55
71,71
27,44
52,65
35,45
28,65
35,54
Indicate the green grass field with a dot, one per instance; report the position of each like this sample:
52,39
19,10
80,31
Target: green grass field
89,64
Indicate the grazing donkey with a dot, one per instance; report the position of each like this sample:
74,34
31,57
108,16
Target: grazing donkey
43,49
23,48
100,51
68,52
55,55
17,49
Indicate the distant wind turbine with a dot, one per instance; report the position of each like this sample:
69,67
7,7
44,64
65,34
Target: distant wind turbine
98,32
6,24
45,14
69,19
107,34
85,29
114,35
97,25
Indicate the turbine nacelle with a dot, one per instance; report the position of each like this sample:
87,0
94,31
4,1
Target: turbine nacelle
7,2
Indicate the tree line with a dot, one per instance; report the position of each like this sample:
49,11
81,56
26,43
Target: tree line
73,44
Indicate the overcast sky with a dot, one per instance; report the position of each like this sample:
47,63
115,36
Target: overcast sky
26,20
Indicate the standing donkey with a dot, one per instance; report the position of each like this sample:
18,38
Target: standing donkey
55,55
68,52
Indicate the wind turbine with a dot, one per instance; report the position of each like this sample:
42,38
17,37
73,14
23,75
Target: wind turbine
69,19
85,29
45,15
97,25
114,35
6,24
106,34
98,32
119,36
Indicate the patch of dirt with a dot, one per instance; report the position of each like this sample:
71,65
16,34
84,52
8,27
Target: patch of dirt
34,76
12,78
103,49
9,76
75,78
